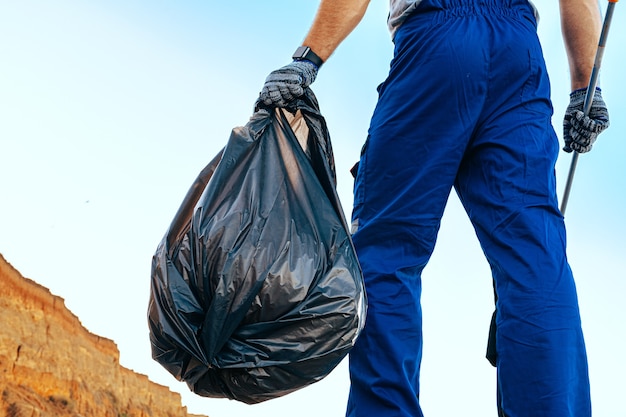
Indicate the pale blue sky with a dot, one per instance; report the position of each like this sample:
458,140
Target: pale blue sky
109,109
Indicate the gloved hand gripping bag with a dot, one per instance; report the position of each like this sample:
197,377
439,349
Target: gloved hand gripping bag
256,290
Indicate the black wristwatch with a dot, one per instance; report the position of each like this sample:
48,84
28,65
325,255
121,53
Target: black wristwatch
304,52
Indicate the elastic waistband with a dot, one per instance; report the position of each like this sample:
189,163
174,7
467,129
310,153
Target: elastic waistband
434,12
476,7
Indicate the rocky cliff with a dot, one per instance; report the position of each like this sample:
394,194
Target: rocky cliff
50,365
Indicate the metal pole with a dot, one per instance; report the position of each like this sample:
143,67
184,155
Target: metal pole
591,89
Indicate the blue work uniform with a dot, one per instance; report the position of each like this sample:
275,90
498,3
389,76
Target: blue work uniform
466,105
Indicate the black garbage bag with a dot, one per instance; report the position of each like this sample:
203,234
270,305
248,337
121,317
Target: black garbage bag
256,290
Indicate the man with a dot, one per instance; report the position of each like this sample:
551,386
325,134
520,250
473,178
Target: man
466,105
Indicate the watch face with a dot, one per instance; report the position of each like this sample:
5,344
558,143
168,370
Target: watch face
304,52
301,52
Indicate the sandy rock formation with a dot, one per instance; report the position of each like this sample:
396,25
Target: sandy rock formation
50,365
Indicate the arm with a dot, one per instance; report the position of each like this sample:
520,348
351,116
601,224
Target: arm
334,21
581,25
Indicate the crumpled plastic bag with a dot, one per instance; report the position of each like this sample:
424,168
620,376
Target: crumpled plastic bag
256,290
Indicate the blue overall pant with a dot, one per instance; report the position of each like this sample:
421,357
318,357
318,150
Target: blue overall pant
466,105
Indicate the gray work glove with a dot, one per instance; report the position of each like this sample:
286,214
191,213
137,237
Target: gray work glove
580,131
288,83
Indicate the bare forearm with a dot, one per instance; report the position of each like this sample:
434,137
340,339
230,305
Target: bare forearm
334,21
581,25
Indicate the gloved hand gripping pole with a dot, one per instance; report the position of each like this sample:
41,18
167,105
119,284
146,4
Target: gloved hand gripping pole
593,82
